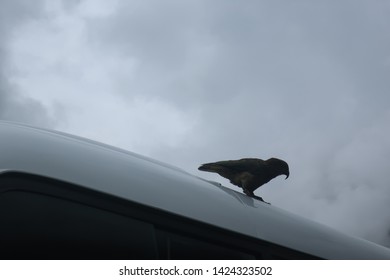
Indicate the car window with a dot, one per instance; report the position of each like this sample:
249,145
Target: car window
45,227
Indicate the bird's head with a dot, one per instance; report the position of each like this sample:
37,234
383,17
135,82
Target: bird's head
280,166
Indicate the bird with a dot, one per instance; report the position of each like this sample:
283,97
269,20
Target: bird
248,173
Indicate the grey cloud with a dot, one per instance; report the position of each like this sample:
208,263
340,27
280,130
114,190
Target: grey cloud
15,105
13,13
275,57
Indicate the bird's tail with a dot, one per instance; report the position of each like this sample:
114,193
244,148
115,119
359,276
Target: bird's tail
210,167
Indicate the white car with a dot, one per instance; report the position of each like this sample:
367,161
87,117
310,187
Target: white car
65,197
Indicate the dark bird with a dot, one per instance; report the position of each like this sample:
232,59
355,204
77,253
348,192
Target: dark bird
248,173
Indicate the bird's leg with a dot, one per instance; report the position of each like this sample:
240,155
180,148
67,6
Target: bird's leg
261,199
251,194
248,192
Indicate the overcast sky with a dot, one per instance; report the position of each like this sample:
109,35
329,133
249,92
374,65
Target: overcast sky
188,82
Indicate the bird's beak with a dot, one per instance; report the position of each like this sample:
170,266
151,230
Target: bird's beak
288,174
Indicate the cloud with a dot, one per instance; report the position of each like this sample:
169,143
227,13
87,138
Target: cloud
14,105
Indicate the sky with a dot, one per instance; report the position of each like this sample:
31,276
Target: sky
189,82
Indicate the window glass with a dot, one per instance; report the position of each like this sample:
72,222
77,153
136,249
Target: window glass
36,226
181,247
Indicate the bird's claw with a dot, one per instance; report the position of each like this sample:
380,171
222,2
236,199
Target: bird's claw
251,194
261,199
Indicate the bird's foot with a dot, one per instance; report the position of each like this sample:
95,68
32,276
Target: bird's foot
251,194
261,199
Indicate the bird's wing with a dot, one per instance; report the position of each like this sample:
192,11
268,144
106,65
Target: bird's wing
241,165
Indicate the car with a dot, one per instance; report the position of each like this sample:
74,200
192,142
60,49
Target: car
66,197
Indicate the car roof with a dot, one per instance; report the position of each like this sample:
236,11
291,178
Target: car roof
152,183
